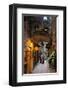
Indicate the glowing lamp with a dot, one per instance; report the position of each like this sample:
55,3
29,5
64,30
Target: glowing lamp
36,48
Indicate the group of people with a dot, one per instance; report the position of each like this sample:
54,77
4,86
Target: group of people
43,52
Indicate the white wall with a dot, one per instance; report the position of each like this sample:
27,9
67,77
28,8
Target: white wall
4,47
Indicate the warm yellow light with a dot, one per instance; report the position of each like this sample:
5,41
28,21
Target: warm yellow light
29,44
36,48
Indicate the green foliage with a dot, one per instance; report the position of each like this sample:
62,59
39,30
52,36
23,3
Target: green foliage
52,60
